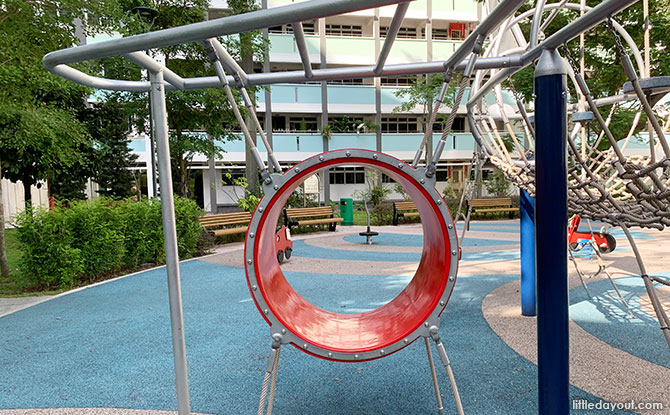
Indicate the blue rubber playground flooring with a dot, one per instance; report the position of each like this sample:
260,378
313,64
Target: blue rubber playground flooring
605,317
304,250
109,346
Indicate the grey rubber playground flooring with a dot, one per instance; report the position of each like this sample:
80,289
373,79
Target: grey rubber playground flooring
108,346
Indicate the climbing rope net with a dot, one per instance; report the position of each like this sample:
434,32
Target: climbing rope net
611,178
606,182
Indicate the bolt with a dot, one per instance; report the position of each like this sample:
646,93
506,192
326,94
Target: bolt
442,303
375,156
438,201
422,181
260,208
254,287
450,226
348,154
381,351
321,159
330,354
251,235
283,331
266,311
425,324
268,180
276,187
355,356
400,165
454,252
249,261
297,169
406,341
304,346
451,278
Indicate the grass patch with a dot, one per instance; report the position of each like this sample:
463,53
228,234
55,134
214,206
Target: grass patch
14,286
13,249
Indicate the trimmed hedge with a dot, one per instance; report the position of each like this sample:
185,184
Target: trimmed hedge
90,240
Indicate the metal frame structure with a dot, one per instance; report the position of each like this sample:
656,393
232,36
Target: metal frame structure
553,385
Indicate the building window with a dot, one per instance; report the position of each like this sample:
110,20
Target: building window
308,27
442,174
457,127
403,32
455,31
302,124
345,124
343,30
278,123
347,175
441,34
387,179
397,81
438,34
355,81
400,125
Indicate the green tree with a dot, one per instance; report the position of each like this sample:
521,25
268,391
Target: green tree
40,133
109,126
423,92
251,44
188,111
604,74
497,184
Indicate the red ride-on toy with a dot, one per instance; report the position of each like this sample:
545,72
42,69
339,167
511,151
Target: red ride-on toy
283,244
606,242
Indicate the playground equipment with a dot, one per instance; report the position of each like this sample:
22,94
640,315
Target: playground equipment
368,233
604,241
283,244
603,185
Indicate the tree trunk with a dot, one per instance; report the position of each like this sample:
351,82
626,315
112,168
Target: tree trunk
183,178
4,266
247,64
27,195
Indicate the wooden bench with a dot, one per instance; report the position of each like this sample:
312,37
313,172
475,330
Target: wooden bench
311,216
403,210
493,205
220,225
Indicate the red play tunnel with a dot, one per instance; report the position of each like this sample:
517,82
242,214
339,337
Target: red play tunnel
360,336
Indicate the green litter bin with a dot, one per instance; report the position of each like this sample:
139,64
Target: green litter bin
347,210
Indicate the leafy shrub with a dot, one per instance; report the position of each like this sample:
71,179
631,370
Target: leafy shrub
382,214
48,259
497,184
89,240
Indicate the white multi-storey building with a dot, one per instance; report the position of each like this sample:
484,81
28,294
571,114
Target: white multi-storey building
431,30
294,115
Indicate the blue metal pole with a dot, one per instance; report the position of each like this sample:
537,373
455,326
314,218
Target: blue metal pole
527,209
551,227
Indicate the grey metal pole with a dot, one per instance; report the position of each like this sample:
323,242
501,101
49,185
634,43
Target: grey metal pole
159,113
323,64
213,203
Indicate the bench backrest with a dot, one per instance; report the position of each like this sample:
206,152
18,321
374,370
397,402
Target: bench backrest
490,202
404,206
225,219
309,212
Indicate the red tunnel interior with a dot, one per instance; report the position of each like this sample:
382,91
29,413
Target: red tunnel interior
371,330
